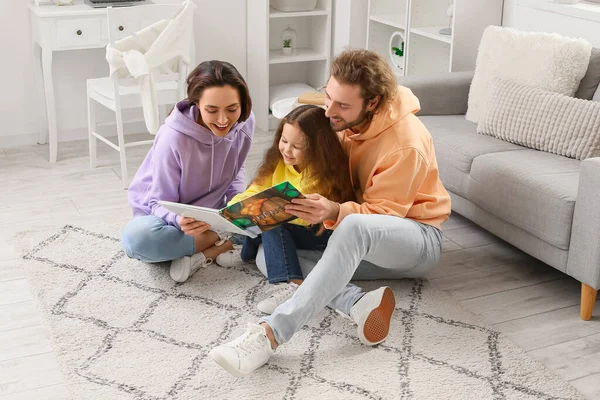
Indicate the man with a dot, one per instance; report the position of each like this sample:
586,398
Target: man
394,225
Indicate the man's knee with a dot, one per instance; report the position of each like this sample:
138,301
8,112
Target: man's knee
352,226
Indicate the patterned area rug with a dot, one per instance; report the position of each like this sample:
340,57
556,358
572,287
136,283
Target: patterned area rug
123,329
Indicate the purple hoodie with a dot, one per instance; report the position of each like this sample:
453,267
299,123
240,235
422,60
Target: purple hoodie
189,164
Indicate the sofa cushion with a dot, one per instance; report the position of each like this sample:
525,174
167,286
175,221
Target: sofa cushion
544,60
591,80
456,145
530,189
542,120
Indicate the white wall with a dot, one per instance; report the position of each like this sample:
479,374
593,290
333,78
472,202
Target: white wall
529,19
220,33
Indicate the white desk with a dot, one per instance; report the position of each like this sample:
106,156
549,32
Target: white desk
61,28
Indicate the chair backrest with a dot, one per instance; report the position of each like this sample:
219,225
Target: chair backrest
135,18
127,22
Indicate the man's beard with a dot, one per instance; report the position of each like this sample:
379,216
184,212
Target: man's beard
343,125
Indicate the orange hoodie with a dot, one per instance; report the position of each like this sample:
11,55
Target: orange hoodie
393,167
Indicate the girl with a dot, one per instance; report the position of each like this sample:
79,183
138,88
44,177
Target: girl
197,158
307,153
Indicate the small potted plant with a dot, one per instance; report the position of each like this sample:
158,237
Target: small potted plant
287,47
288,37
397,56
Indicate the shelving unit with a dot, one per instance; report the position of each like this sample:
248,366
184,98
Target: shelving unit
426,50
388,18
268,66
432,32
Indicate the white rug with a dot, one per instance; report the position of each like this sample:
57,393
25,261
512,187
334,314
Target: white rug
123,330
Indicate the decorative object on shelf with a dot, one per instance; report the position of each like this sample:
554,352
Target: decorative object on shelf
287,47
294,5
396,50
288,38
450,14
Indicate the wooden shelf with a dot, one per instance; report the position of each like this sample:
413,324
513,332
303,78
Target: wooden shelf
273,13
395,20
301,55
432,32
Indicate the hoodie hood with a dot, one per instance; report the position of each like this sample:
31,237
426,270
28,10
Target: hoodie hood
405,103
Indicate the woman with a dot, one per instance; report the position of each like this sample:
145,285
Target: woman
197,158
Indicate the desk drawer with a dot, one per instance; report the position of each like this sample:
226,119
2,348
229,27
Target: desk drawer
121,31
79,32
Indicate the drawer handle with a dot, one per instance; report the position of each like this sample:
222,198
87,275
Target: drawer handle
79,32
121,28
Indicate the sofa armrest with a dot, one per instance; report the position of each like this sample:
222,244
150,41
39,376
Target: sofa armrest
444,94
583,263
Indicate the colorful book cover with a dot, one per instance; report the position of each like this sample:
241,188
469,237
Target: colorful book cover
265,209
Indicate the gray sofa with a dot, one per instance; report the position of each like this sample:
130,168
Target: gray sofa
544,204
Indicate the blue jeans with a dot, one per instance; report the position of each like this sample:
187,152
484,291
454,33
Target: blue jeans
280,245
402,247
150,239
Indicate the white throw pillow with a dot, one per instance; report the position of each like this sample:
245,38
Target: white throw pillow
542,120
287,90
546,61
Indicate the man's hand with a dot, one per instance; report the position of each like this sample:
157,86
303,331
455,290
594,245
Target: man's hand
314,208
191,227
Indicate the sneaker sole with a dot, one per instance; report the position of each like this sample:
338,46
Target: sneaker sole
377,325
226,365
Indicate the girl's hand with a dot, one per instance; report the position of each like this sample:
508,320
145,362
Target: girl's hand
314,208
191,227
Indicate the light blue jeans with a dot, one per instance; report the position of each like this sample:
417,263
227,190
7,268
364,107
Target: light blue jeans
150,239
389,247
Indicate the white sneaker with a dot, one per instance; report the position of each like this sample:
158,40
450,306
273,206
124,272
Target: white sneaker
282,293
373,313
184,267
232,258
243,355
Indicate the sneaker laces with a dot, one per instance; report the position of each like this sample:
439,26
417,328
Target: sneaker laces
252,341
223,237
284,291
201,263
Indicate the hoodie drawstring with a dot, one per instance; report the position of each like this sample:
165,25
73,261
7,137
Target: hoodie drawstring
212,161
350,165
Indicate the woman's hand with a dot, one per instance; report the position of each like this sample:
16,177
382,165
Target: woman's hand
314,208
191,227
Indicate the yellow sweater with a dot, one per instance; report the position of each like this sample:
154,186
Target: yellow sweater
282,173
393,167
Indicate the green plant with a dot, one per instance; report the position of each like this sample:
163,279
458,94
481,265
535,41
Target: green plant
399,51
287,43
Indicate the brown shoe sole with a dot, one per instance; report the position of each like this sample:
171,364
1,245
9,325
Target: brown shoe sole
377,324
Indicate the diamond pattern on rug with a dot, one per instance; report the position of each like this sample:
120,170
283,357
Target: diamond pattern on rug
125,331
90,301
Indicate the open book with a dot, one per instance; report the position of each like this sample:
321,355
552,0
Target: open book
251,216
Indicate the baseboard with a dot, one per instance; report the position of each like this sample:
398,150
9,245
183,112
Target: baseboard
107,129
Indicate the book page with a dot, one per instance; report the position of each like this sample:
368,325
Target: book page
265,209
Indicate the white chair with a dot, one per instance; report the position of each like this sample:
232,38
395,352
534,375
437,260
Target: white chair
121,91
